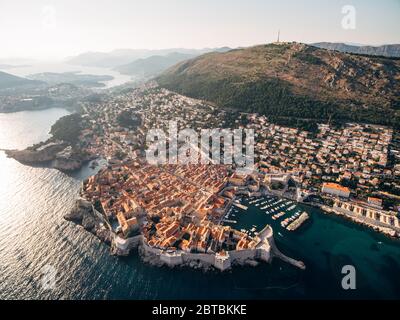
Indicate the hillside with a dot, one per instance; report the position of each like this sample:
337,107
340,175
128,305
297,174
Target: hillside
389,50
8,81
292,80
153,65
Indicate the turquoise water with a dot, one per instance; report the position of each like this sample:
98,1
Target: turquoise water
33,234
325,243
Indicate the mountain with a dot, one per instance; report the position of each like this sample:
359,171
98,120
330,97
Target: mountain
389,50
153,65
108,59
9,81
125,56
293,81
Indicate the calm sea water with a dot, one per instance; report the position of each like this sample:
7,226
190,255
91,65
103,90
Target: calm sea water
33,235
59,67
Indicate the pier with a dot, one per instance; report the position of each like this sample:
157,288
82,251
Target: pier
239,205
280,255
298,222
267,233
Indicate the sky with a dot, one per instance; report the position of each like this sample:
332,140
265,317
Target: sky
63,28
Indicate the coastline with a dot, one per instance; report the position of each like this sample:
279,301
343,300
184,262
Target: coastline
58,151
50,157
85,215
380,229
387,231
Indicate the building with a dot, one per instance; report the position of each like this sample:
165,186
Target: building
384,218
336,189
375,202
127,225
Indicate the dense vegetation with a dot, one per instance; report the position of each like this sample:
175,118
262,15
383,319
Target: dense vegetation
290,83
128,119
67,128
273,97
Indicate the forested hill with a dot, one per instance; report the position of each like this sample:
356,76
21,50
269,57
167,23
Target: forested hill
293,80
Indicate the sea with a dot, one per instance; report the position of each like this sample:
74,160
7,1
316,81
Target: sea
35,240
62,66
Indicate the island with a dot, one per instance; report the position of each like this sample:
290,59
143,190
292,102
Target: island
72,77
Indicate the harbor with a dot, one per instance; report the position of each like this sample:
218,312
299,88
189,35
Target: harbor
282,214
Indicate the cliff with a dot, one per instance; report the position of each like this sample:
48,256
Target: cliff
84,214
57,155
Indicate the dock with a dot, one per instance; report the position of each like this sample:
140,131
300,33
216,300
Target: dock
298,222
239,205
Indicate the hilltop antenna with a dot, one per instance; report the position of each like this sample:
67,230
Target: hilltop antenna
279,33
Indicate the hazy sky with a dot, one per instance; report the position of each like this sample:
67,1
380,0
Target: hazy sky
59,28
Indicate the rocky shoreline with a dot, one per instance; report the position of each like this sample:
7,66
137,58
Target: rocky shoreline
380,229
58,155
84,214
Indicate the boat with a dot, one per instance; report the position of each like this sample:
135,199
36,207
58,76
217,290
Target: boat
278,215
285,222
299,219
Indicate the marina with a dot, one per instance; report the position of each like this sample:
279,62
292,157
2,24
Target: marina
268,209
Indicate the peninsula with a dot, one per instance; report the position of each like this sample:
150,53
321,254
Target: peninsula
174,213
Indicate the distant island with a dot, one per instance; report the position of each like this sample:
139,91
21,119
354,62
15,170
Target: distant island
72,77
46,91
